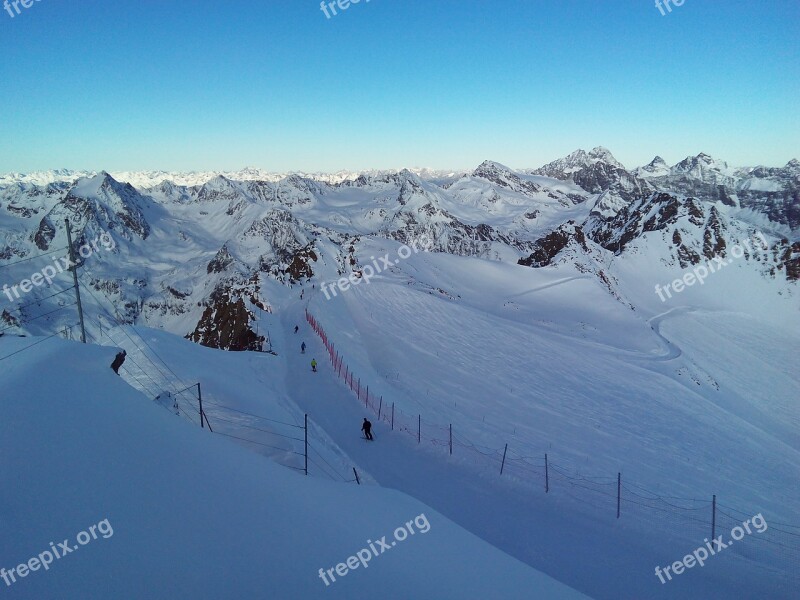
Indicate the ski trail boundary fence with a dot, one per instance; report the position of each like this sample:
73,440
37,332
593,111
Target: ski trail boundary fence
703,518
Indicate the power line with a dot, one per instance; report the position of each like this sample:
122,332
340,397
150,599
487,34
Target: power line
212,403
31,346
122,328
140,337
40,300
26,321
246,426
33,257
259,443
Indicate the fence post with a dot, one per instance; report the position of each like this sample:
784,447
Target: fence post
451,439
366,402
380,408
546,475
619,491
419,429
714,517
358,481
306,428
392,416
502,466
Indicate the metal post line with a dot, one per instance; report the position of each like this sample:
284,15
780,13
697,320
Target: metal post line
306,442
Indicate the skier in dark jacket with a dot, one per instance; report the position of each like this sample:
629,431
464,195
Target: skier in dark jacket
367,429
303,348
296,328
118,360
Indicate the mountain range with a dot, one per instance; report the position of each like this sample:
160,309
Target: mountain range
199,253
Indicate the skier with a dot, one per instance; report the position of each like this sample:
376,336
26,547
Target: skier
303,348
367,429
314,365
118,360
296,328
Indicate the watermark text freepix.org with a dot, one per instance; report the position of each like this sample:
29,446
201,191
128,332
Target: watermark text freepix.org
343,5
56,552
374,549
664,5
699,556
15,4
700,272
378,266
62,264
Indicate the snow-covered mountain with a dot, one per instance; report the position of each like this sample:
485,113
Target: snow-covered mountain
148,179
195,255
638,322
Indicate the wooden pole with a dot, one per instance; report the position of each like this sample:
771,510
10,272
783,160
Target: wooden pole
380,408
358,481
502,466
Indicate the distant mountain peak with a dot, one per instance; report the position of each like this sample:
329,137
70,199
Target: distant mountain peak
601,153
490,166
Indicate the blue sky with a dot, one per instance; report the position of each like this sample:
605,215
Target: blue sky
198,84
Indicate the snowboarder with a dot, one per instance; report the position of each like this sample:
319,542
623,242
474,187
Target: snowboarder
314,365
303,348
296,328
367,429
118,360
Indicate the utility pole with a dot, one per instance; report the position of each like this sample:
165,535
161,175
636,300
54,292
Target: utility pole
200,401
74,268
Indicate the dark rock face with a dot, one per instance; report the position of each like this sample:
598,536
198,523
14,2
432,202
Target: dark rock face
714,243
788,258
221,261
547,248
44,235
300,266
6,318
686,256
225,325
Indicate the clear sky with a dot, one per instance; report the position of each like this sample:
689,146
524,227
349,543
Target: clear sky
185,85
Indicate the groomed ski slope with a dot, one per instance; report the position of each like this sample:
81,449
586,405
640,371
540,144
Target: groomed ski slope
686,401
193,514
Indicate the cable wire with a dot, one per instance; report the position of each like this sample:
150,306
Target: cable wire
33,257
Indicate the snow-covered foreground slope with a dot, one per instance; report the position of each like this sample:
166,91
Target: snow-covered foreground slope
184,513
